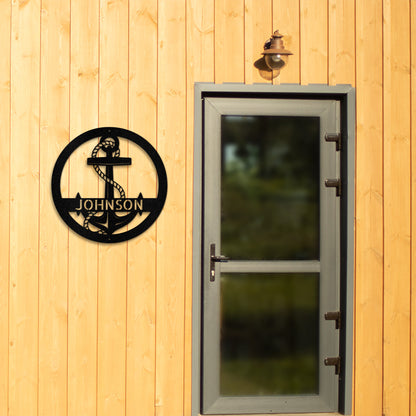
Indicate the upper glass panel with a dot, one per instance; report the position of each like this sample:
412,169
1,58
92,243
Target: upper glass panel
270,187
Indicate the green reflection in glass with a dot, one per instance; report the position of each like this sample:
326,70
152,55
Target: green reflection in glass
270,187
269,334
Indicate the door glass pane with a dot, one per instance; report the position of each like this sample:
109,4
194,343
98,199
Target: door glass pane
270,187
269,334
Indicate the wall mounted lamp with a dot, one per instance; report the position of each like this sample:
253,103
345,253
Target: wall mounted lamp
275,54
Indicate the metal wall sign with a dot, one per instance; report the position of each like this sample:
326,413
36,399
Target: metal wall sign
111,216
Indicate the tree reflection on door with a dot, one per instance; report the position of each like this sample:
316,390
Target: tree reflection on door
269,211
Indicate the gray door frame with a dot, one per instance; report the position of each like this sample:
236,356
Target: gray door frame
214,100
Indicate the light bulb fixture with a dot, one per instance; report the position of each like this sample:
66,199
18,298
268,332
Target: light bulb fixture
275,54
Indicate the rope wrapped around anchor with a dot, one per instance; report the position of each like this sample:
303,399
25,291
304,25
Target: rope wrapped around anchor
106,143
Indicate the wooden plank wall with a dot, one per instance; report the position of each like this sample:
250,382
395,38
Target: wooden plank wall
89,329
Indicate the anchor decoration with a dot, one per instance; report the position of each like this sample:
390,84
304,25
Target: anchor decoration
104,217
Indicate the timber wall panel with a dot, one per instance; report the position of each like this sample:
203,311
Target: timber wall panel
112,258
24,209
171,144
397,194
53,242
141,278
369,210
257,29
229,41
91,329
83,254
341,42
413,206
314,41
5,38
286,19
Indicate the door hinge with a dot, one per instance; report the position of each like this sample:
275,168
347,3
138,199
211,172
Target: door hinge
334,138
335,361
334,183
334,316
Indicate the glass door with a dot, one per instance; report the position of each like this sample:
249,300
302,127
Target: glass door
271,256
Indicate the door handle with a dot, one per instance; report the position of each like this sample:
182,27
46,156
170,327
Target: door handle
214,259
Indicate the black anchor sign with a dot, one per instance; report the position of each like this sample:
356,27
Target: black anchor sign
103,217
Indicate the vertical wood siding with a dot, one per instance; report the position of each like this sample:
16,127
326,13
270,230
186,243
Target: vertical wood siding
5,40
369,249
141,271
53,256
82,285
91,329
397,196
24,209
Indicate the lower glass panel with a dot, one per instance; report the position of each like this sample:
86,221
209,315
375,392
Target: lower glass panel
269,334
